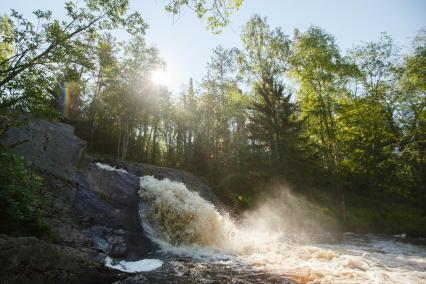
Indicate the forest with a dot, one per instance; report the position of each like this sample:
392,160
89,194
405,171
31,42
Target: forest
345,128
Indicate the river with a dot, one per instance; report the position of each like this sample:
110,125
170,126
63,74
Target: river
200,244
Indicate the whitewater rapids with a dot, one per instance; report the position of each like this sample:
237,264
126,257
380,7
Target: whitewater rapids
202,244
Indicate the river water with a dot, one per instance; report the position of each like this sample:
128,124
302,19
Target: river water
352,259
200,244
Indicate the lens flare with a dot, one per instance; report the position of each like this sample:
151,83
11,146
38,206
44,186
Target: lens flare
67,93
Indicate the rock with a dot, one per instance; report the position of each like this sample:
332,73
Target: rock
109,199
50,146
29,260
191,181
94,213
119,188
62,216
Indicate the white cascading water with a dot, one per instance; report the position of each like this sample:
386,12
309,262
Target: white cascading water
183,222
172,214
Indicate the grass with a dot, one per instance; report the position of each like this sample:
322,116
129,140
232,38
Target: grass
382,215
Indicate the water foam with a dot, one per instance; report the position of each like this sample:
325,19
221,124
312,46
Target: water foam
143,265
110,168
172,214
185,224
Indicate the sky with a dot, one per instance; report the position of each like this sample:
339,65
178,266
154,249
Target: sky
185,43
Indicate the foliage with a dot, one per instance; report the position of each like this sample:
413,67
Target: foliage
266,50
21,197
318,67
217,11
355,124
351,124
40,50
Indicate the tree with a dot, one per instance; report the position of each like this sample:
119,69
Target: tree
266,50
40,49
6,43
140,98
369,115
217,11
320,72
272,119
411,115
265,60
105,78
218,85
366,136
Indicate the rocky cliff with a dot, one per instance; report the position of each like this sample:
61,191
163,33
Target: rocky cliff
94,213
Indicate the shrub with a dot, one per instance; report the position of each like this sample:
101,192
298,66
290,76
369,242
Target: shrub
21,197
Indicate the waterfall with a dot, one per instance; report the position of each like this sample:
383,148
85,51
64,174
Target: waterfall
200,238
172,214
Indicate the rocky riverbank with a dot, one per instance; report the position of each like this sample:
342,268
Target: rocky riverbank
94,213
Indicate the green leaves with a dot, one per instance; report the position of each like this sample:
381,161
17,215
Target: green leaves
21,197
43,14
316,65
216,11
43,49
266,51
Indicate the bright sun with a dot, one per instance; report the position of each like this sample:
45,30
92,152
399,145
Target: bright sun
160,77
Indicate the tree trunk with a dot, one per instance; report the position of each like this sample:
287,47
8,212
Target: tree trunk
154,140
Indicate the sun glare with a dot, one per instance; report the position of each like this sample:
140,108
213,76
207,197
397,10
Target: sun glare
160,77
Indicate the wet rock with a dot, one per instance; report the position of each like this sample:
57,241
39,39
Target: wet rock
50,146
29,260
116,187
61,214
191,181
109,199
140,278
94,212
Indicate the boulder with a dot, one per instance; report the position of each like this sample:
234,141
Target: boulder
94,213
50,146
109,202
30,260
192,182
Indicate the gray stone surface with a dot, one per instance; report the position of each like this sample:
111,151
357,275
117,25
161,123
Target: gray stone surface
29,260
109,201
94,212
191,181
50,146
